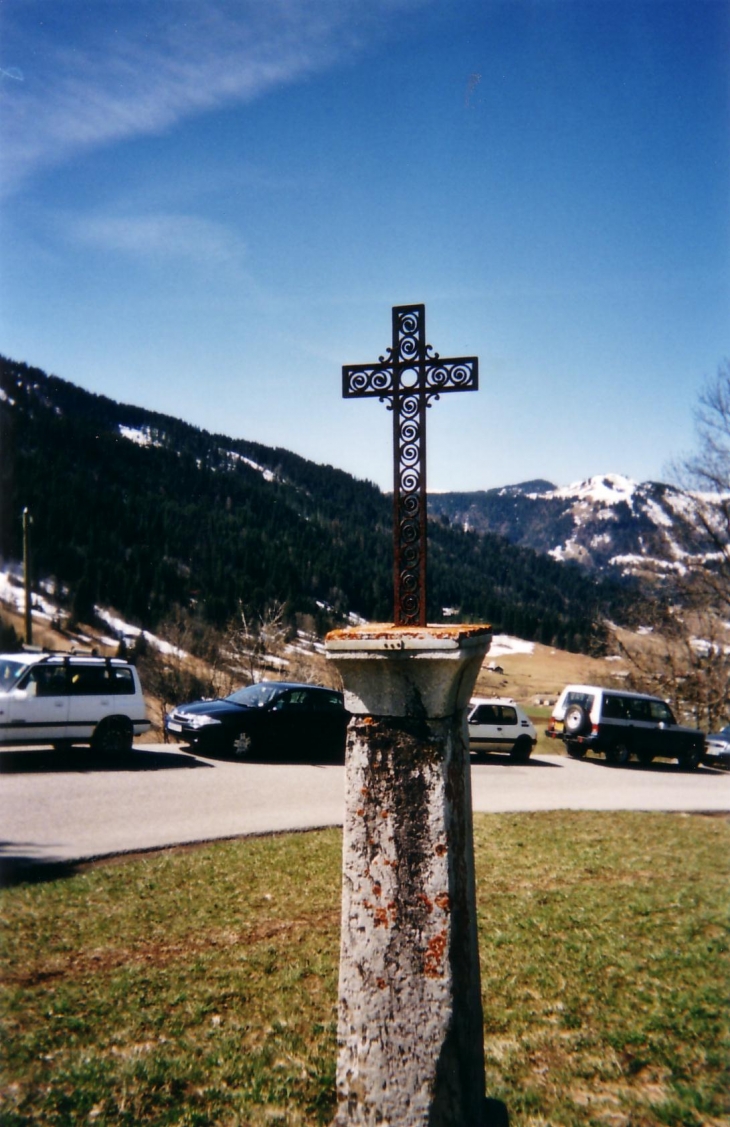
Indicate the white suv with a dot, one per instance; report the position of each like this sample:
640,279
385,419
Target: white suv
63,699
620,724
498,724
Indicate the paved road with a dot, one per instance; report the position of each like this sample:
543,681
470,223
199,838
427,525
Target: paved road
62,808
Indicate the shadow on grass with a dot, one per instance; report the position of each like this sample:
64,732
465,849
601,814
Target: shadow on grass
83,759
23,868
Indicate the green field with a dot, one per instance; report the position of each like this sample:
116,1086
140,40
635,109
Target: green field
198,986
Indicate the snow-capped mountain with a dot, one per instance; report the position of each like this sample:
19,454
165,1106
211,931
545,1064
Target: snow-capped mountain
607,523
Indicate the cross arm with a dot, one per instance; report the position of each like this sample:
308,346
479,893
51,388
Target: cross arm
459,373
360,380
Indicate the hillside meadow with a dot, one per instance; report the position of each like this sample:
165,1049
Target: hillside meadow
198,986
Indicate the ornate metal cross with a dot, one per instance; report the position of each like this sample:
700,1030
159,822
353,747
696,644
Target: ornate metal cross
409,379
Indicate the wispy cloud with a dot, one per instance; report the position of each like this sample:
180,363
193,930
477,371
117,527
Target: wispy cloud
141,68
159,236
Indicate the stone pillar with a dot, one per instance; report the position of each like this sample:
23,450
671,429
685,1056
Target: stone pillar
410,1035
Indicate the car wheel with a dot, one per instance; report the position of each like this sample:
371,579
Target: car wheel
113,736
242,745
691,759
618,754
576,721
521,750
575,750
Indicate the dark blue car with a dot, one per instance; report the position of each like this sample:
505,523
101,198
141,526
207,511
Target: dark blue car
272,717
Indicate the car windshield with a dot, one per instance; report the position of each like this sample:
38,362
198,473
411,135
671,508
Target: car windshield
10,671
254,696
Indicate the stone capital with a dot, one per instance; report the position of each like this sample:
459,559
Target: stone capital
418,672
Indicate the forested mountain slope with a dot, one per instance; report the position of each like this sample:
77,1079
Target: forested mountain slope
143,512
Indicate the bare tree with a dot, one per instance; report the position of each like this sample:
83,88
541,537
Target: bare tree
170,673
689,659
707,473
255,641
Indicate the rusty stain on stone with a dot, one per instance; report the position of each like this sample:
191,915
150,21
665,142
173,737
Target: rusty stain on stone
387,632
443,900
433,962
381,918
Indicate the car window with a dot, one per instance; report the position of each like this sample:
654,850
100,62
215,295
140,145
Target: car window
10,671
507,714
89,680
638,709
324,702
49,680
585,700
485,714
254,696
615,708
661,712
293,699
122,680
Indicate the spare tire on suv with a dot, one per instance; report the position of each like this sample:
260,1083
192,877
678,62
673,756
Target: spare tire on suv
576,722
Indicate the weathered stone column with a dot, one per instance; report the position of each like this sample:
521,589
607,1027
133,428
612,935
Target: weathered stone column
410,1037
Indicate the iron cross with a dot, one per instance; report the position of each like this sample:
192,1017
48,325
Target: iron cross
409,378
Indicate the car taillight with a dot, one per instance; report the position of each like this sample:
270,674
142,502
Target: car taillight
551,725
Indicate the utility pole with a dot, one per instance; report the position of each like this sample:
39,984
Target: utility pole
26,576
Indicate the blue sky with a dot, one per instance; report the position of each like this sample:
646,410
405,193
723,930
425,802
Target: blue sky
209,207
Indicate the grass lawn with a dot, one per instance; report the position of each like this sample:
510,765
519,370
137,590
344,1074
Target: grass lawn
199,986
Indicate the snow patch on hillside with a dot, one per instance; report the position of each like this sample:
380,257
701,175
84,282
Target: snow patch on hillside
263,470
606,489
140,436
506,644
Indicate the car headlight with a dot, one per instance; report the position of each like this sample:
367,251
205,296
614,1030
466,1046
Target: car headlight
202,721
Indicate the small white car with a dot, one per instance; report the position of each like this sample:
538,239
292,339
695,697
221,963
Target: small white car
498,724
64,699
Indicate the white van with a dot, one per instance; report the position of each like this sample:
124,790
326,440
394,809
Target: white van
63,699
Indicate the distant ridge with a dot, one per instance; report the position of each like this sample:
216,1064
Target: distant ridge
609,524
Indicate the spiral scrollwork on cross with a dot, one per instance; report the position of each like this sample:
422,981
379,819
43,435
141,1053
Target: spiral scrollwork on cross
408,378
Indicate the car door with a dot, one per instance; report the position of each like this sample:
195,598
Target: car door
90,698
493,727
667,739
287,723
328,721
38,708
642,729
